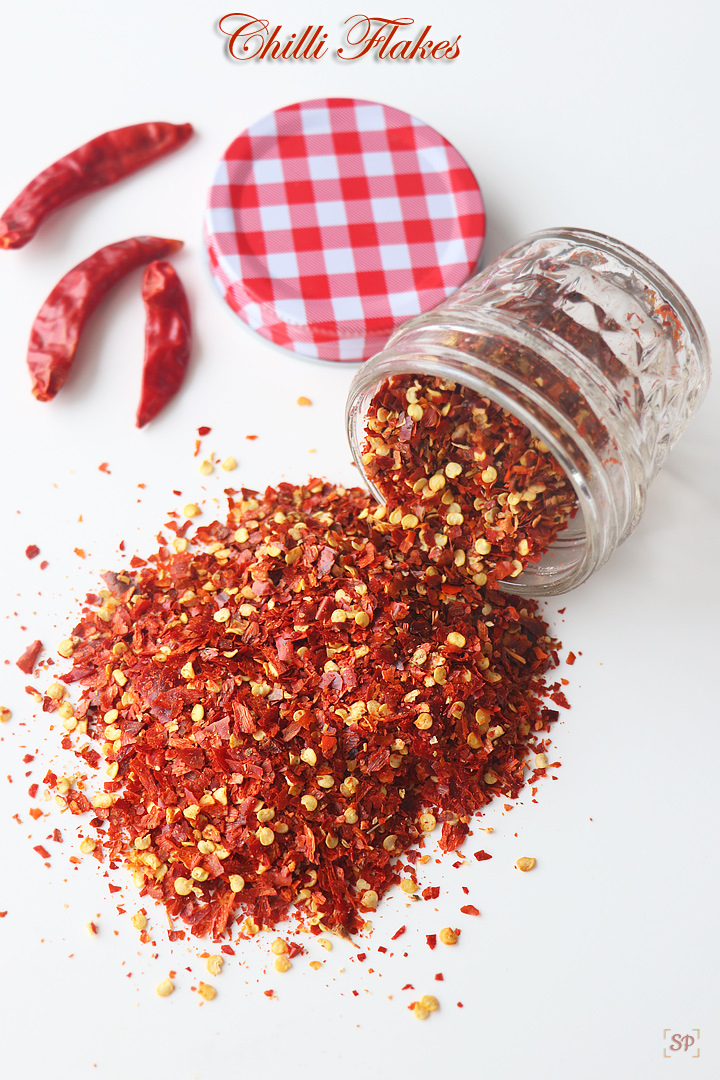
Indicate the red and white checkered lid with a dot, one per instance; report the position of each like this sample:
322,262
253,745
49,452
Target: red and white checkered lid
330,222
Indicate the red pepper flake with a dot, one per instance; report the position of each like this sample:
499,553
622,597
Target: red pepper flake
33,790
32,550
251,438
92,928
230,951
408,986
114,888
319,598
571,658
35,813
398,933
561,611
439,977
56,836
460,1005
267,993
362,957
203,431
27,661
80,552
28,758
3,914
431,893
469,909
104,467
44,564
382,949
42,851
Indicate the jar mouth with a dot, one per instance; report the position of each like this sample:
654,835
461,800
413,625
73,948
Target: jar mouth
591,534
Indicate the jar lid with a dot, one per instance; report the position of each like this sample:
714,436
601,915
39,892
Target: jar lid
332,221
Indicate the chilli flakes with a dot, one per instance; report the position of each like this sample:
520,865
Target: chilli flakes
292,701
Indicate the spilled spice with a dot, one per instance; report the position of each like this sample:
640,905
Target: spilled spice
304,693
27,661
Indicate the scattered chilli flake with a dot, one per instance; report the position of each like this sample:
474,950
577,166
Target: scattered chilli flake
104,467
481,856
32,550
431,940
27,661
469,909
398,933
293,699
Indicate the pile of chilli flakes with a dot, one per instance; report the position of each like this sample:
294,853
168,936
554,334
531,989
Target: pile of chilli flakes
289,704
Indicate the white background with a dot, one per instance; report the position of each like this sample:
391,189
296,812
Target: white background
602,115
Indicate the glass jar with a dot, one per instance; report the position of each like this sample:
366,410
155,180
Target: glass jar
594,348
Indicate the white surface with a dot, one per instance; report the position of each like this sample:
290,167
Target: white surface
602,115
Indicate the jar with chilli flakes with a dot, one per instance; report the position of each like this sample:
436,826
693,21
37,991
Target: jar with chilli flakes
590,345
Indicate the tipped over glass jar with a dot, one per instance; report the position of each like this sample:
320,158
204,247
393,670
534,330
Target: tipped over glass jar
591,346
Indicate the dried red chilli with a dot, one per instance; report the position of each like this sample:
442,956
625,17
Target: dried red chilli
59,323
289,705
167,339
101,162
